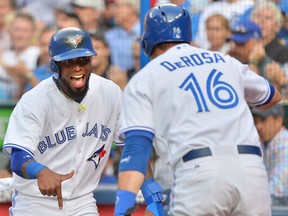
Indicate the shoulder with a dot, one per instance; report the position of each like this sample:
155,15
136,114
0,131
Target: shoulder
40,91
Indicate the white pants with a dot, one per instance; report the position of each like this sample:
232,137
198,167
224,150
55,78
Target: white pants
23,205
220,185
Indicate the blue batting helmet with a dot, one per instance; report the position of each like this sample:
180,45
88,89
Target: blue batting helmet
165,23
69,43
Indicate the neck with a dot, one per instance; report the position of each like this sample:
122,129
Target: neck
162,48
267,40
59,86
215,47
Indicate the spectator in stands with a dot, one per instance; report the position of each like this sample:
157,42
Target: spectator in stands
269,18
42,11
102,65
283,33
7,9
218,31
19,62
231,9
274,137
246,46
66,17
42,70
108,14
136,57
89,12
119,38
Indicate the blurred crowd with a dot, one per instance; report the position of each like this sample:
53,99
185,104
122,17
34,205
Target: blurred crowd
253,31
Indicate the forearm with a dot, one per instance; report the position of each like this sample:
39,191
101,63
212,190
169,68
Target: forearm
130,181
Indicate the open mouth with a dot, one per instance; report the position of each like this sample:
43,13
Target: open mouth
78,81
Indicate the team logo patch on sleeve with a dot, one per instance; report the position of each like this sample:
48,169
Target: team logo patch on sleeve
74,41
97,156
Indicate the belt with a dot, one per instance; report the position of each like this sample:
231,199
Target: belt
203,152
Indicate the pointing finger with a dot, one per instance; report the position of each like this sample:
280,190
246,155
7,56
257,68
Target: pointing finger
59,188
59,197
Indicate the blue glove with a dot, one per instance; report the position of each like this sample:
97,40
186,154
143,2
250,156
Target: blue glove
125,201
152,193
156,208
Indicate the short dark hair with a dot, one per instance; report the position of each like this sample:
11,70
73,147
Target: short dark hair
99,35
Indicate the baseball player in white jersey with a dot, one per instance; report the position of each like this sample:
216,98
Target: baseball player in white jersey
60,133
193,104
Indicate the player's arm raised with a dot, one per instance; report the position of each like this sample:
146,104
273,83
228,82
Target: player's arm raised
49,182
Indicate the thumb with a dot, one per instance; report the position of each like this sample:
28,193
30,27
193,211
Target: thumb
68,176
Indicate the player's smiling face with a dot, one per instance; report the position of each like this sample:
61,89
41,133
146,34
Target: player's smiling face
74,76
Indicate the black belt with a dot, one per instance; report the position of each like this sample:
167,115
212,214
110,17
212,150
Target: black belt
203,152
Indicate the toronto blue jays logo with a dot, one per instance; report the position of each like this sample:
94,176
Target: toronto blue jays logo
97,156
75,40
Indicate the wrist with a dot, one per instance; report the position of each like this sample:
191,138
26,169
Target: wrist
33,168
156,209
124,200
152,191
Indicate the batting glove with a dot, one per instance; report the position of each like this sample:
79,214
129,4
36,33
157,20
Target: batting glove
152,193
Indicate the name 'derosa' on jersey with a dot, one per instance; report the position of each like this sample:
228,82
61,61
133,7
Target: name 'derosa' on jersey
193,60
68,133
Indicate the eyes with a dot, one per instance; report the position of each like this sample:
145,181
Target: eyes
81,61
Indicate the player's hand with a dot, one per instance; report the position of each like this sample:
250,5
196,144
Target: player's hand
50,182
152,193
154,209
148,213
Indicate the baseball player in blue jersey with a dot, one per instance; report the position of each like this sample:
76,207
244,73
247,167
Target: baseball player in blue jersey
193,105
60,133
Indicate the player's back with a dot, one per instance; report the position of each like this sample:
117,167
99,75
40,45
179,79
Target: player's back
198,99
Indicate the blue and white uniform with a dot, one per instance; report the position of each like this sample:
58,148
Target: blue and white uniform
191,98
64,135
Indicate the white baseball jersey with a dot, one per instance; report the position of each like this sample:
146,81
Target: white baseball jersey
190,97
60,134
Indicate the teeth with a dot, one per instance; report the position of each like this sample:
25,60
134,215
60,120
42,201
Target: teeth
77,77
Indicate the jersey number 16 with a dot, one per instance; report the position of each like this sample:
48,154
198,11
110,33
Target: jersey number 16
220,93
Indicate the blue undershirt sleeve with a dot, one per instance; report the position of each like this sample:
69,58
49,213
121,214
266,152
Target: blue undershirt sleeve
18,158
136,152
